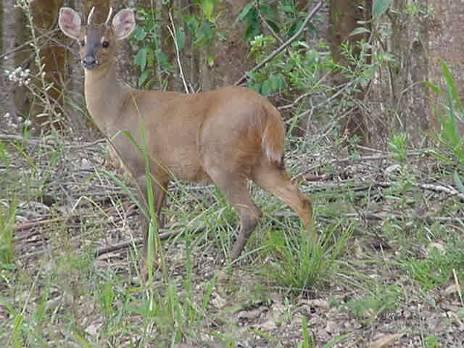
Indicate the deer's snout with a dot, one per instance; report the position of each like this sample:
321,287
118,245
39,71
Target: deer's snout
89,62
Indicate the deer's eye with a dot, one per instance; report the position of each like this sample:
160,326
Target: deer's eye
105,44
82,43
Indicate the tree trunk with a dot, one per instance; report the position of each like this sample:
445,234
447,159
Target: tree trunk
344,18
446,44
12,37
410,95
224,61
53,57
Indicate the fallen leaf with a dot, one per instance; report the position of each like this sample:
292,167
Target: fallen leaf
385,341
268,325
450,290
93,328
318,303
218,302
331,327
437,246
250,315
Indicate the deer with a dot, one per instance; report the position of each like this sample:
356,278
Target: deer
226,137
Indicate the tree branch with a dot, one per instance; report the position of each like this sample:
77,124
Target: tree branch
274,53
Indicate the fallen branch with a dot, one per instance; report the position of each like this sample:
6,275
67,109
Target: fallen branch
137,241
451,191
118,246
351,159
362,186
274,53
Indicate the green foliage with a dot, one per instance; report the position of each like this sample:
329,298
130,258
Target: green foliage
202,30
431,342
398,145
7,221
284,19
449,135
149,58
207,8
298,71
379,7
249,16
299,68
106,296
4,157
451,151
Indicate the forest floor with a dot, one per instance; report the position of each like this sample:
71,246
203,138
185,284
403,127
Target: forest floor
388,271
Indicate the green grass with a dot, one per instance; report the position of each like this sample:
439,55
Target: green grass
438,267
7,220
67,296
300,264
380,300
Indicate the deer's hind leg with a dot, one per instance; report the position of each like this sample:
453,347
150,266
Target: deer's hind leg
234,187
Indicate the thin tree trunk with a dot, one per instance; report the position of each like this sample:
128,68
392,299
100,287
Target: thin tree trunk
11,38
344,18
53,57
446,44
409,44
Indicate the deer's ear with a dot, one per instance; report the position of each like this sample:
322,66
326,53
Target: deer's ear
70,22
123,24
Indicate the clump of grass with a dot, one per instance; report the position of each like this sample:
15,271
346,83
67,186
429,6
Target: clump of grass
380,300
300,263
7,220
438,267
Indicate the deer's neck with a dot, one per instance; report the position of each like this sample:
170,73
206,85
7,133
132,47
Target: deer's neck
104,96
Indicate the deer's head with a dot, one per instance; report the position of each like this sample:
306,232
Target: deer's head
97,42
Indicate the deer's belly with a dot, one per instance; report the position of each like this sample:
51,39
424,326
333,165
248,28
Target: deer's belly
187,168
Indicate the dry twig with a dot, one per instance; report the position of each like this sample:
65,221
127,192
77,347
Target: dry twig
172,31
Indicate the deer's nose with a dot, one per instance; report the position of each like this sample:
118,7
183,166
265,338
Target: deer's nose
89,62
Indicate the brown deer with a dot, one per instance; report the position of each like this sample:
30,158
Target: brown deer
226,136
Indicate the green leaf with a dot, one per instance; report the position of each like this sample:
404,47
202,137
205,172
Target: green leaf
143,78
139,33
433,87
246,9
210,61
207,7
450,131
266,88
204,34
380,7
192,23
451,86
360,30
180,39
141,58
458,182
3,152
277,82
